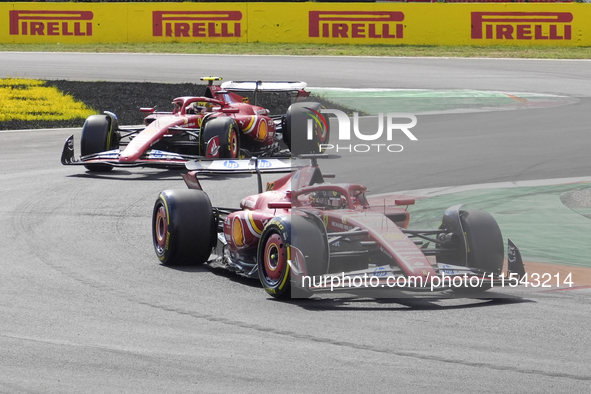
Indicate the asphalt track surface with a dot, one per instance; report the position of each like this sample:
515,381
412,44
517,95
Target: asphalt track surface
85,306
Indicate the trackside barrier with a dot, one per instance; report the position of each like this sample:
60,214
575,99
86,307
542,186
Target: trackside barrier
557,24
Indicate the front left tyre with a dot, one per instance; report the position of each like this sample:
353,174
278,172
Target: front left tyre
226,131
273,265
283,239
100,133
479,245
183,227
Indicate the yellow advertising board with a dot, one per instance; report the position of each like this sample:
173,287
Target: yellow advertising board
334,23
433,24
61,22
122,22
188,22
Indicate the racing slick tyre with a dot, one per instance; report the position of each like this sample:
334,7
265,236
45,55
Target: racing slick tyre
295,128
484,245
275,272
228,134
183,227
483,240
308,236
99,134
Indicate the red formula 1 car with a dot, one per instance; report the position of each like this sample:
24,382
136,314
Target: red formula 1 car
303,235
219,124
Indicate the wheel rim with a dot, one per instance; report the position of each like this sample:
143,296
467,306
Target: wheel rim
161,230
233,144
275,257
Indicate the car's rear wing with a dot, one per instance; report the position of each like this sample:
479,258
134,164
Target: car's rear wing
246,166
291,87
253,165
264,86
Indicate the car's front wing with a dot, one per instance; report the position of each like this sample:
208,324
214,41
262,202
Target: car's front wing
151,158
390,277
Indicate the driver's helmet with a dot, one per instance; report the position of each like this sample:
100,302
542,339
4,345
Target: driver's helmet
191,108
328,199
196,107
205,106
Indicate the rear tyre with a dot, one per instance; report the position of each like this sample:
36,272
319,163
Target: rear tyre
183,227
295,128
228,138
99,133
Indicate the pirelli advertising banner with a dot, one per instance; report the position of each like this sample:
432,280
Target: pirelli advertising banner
334,23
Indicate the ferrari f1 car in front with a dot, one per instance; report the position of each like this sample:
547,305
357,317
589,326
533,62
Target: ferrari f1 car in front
304,235
219,124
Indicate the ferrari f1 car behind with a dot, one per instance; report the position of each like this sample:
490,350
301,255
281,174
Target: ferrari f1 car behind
219,124
304,235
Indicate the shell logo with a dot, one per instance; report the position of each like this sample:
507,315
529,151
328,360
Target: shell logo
237,232
262,131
